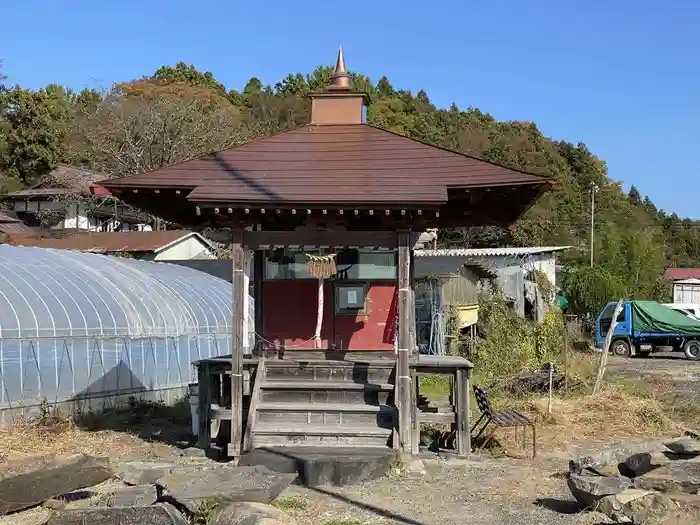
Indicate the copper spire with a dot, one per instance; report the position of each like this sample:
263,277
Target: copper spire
341,79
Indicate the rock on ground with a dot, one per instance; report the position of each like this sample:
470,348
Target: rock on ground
161,514
29,482
256,484
589,489
246,513
636,506
679,476
613,455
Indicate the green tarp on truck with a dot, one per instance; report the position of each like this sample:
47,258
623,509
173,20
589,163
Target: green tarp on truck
653,317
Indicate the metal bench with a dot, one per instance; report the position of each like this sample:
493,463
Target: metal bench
499,419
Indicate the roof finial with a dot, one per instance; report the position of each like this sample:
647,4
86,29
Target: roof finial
341,79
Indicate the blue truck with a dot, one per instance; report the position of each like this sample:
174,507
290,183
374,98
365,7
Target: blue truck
646,326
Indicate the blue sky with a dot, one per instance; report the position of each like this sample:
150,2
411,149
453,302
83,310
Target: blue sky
622,76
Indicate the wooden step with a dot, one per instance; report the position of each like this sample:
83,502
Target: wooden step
336,415
379,372
293,384
326,407
274,434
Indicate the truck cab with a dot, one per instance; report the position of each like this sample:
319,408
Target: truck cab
622,332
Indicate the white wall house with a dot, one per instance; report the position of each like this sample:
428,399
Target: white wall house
163,245
686,284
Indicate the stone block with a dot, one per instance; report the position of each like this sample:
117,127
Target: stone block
29,482
161,514
225,485
317,466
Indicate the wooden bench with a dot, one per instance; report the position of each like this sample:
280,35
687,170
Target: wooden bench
499,419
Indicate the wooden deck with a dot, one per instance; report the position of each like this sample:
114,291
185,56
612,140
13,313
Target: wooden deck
326,400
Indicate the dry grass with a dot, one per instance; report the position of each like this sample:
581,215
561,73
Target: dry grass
608,416
115,433
23,440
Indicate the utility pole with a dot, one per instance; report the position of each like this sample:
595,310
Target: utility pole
594,189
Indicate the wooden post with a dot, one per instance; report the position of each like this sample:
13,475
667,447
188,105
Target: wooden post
258,278
403,373
606,348
462,407
240,294
566,355
204,409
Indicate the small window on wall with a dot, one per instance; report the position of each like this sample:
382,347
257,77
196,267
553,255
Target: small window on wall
350,298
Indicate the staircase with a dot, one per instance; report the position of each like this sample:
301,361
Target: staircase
321,403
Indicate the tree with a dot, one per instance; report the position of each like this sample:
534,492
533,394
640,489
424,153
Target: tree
188,74
33,126
144,125
634,196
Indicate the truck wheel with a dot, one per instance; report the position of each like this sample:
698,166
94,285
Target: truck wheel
692,350
621,348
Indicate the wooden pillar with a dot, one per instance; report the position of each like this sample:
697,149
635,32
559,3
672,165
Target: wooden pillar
258,276
204,409
403,379
240,294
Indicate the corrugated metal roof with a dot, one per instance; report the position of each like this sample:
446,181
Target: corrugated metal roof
677,274
489,252
331,164
105,242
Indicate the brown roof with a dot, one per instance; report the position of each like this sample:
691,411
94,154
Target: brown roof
10,224
349,163
62,180
101,242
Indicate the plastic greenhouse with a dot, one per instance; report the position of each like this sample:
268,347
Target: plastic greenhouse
89,329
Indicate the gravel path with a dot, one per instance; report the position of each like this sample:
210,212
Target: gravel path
489,492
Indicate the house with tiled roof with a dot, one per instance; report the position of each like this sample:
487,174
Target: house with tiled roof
69,198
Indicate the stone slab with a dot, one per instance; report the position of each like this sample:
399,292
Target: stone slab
137,496
588,490
150,472
317,466
161,514
247,513
636,506
686,445
679,476
29,482
225,485
143,472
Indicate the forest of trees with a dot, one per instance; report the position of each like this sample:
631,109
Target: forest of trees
179,112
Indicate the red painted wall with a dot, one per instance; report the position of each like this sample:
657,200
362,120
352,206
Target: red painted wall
289,316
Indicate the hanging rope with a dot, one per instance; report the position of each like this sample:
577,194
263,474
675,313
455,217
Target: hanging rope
322,266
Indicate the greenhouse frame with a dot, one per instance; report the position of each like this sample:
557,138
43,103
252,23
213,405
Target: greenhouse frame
84,331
